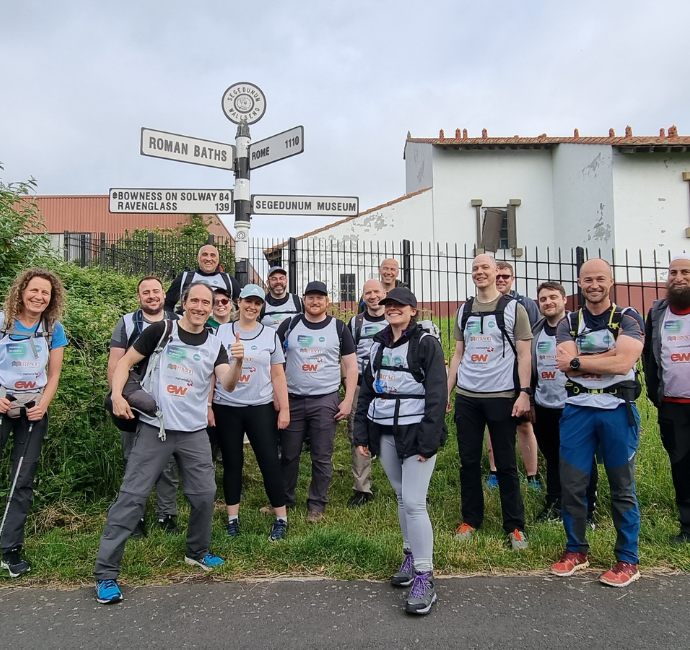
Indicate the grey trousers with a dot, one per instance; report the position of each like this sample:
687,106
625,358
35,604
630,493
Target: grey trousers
166,485
313,415
361,465
148,459
13,533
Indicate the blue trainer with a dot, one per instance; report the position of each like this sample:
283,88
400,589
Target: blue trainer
107,592
492,481
207,563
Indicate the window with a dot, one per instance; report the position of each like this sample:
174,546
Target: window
498,229
347,287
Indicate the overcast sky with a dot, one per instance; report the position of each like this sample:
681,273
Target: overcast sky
80,79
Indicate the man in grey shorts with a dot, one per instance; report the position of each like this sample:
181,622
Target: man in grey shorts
151,297
180,384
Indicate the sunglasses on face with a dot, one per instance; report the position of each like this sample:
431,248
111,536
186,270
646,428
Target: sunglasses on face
502,276
221,301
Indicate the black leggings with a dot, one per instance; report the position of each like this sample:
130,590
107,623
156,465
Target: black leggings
260,423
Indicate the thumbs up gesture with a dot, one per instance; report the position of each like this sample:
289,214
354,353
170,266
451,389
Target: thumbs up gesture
237,348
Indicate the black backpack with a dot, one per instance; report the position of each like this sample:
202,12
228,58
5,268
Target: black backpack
339,326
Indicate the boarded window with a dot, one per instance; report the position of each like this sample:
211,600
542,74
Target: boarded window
499,231
347,287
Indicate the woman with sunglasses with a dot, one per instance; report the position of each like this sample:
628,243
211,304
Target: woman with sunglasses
223,309
250,409
401,418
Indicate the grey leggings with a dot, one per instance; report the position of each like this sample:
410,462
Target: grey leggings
410,480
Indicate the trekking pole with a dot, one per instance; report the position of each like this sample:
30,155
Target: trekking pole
16,477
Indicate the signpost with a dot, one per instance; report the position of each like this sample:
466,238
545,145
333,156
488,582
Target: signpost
277,147
243,104
310,206
152,201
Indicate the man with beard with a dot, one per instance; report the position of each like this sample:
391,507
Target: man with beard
151,296
666,360
598,347
280,305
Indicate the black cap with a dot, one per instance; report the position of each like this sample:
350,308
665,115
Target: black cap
316,287
400,295
222,290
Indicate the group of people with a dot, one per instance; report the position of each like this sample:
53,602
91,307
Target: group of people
209,363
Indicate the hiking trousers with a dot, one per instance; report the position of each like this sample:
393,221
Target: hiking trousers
13,534
583,428
147,460
361,465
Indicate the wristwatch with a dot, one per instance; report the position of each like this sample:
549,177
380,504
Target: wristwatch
529,391
575,363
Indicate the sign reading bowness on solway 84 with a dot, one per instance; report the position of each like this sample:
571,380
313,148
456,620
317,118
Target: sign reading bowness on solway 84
172,146
277,147
173,201
312,206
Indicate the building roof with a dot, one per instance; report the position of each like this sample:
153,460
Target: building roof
664,142
89,213
342,221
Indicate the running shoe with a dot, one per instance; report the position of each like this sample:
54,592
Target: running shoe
278,531
359,498
169,525
570,562
233,527
621,575
534,483
107,592
492,481
518,541
551,512
422,595
681,538
14,563
464,531
404,577
139,531
314,516
207,563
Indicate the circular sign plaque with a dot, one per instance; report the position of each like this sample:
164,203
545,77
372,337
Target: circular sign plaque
244,102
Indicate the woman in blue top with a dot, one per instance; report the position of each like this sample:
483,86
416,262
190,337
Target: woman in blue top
32,345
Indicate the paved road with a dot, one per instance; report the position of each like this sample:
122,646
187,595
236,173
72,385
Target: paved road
512,613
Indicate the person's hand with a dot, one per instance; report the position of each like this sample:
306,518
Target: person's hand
121,408
283,418
363,450
211,416
563,359
449,406
35,413
521,406
421,458
343,410
237,348
5,405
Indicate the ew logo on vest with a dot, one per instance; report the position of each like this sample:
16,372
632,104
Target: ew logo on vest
310,367
479,358
548,374
680,357
23,385
178,391
244,379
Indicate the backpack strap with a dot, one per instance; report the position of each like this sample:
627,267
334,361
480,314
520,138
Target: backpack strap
291,326
228,284
357,333
187,278
466,313
414,363
501,320
339,328
138,322
151,363
297,302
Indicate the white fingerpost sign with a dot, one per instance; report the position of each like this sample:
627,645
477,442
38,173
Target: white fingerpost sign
244,102
172,146
311,206
158,200
277,147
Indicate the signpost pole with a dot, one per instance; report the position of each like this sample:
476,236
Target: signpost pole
242,203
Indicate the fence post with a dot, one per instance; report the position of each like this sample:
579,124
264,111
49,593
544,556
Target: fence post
103,251
407,262
149,253
66,245
292,265
82,249
579,261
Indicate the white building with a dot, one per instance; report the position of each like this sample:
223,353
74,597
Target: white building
519,197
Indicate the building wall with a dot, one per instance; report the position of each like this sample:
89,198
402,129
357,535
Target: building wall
418,167
583,204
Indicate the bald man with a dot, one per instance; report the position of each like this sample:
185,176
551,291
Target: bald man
597,348
491,369
208,272
666,360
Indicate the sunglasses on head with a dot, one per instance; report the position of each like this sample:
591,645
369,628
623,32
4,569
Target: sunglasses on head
221,301
503,276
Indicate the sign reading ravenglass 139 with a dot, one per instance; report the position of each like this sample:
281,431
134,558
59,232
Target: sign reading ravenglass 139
244,102
157,200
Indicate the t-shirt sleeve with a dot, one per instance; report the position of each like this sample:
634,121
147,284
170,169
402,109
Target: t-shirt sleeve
277,356
563,331
222,356
59,339
632,325
119,337
347,344
148,339
523,329
457,332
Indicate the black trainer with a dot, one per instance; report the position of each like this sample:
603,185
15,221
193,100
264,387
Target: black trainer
278,531
139,531
169,524
359,498
681,538
233,527
13,562
551,512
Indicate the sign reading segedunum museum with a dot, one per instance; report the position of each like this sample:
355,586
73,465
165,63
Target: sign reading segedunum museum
316,206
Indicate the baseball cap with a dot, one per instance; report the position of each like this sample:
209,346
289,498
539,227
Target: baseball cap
274,269
400,295
222,290
252,290
316,287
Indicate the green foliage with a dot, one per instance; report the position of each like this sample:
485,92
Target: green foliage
23,238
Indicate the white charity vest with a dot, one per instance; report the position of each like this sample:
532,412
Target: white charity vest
675,354
23,366
366,339
254,386
550,392
488,361
274,315
181,383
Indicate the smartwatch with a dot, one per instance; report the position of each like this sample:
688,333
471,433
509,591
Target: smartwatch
575,364
529,391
